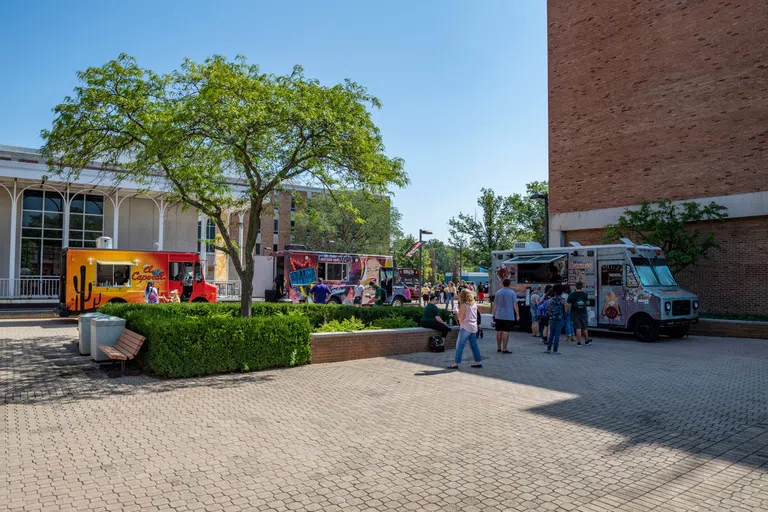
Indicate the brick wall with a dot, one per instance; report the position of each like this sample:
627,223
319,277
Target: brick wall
651,98
731,279
731,329
344,346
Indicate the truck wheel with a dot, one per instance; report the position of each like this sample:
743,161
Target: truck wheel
398,302
645,328
117,301
334,300
677,332
199,299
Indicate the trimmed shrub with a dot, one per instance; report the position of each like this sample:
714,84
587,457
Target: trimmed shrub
348,325
179,346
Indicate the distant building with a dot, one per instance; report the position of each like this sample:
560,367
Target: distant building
42,216
652,99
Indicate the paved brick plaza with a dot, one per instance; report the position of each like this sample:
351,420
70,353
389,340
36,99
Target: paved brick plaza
622,425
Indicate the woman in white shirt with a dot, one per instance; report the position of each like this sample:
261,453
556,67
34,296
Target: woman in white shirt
468,331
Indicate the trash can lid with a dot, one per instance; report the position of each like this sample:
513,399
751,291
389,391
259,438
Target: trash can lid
105,321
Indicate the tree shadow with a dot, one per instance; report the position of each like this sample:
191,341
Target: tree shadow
705,396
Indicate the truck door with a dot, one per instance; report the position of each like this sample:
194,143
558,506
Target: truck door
180,278
612,307
386,282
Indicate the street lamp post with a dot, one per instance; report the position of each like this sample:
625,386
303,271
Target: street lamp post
461,259
545,197
421,269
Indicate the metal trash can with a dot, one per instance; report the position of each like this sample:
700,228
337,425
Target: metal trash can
105,330
84,328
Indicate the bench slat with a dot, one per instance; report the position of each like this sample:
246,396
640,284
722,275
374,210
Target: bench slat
129,339
134,334
129,343
132,351
127,353
112,353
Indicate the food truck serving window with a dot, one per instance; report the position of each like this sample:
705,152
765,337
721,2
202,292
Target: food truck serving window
541,268
113,273
332,271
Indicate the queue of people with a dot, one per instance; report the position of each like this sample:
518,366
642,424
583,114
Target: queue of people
447,293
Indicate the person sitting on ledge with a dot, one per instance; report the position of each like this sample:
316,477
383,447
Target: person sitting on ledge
431,318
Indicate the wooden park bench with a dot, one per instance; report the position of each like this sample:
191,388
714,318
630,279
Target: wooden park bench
125,349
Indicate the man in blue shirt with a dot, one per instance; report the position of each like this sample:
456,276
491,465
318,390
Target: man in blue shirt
505,312
320,292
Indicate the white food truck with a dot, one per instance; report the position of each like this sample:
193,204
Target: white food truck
630,287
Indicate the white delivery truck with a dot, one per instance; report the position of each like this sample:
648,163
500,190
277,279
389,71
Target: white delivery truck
630,287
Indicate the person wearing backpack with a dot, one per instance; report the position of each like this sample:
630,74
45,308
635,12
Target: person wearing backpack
544,316
578,301
557,309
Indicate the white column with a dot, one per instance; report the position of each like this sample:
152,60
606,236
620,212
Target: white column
161,230
240,239
14,230
115,222
65,233
203,242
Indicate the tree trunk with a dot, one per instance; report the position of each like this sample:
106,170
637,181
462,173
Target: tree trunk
246,288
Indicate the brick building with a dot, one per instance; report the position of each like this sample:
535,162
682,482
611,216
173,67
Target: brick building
652,99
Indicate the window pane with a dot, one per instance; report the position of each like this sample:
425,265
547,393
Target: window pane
31,233
52,233
30,257
258,249
275,230
75,243
93,222
89,244
33,200
53,202
103,274
75,235
77,205
94,205
76,221
274,247
91,235
51,257
53,220
32,220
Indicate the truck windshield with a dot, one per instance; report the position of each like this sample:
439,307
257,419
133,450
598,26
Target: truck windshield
654,272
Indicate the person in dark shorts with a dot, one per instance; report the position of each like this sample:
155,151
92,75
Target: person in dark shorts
431,317
578,301
505,312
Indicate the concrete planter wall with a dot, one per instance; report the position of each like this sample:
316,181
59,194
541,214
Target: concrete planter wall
730,328
330,347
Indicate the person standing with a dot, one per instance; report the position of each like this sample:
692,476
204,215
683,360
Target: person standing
505,312
544,316
578,301
450,293
468,331
320,292
557,309
378,293
533,300
425,291
359,289
151,293
567,318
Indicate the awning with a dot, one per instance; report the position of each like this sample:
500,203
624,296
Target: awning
102,262
540,258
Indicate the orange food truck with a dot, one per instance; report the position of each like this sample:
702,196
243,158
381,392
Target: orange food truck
92,277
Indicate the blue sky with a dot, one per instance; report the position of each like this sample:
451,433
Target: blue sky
464,84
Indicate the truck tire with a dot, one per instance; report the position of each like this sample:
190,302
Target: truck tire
398,302
645,328
199,299
334,300
117,301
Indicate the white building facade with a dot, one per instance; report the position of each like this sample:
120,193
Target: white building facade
42,215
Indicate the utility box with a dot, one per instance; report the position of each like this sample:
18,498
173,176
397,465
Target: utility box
84,328
105,330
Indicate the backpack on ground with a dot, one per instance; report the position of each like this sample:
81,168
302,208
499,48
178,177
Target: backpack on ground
436,344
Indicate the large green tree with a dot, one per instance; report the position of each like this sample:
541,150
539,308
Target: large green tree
671,227
354,221
201,129
501,221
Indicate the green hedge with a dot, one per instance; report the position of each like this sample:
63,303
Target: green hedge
187,346
317,314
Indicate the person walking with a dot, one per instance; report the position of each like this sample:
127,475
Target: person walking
320,292
450,293
505,312
468,331
557,309
578,301
533,300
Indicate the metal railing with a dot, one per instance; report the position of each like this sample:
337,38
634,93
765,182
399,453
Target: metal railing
227,288
29,287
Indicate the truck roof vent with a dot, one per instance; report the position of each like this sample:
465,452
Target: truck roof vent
575,244
626,241
527,245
